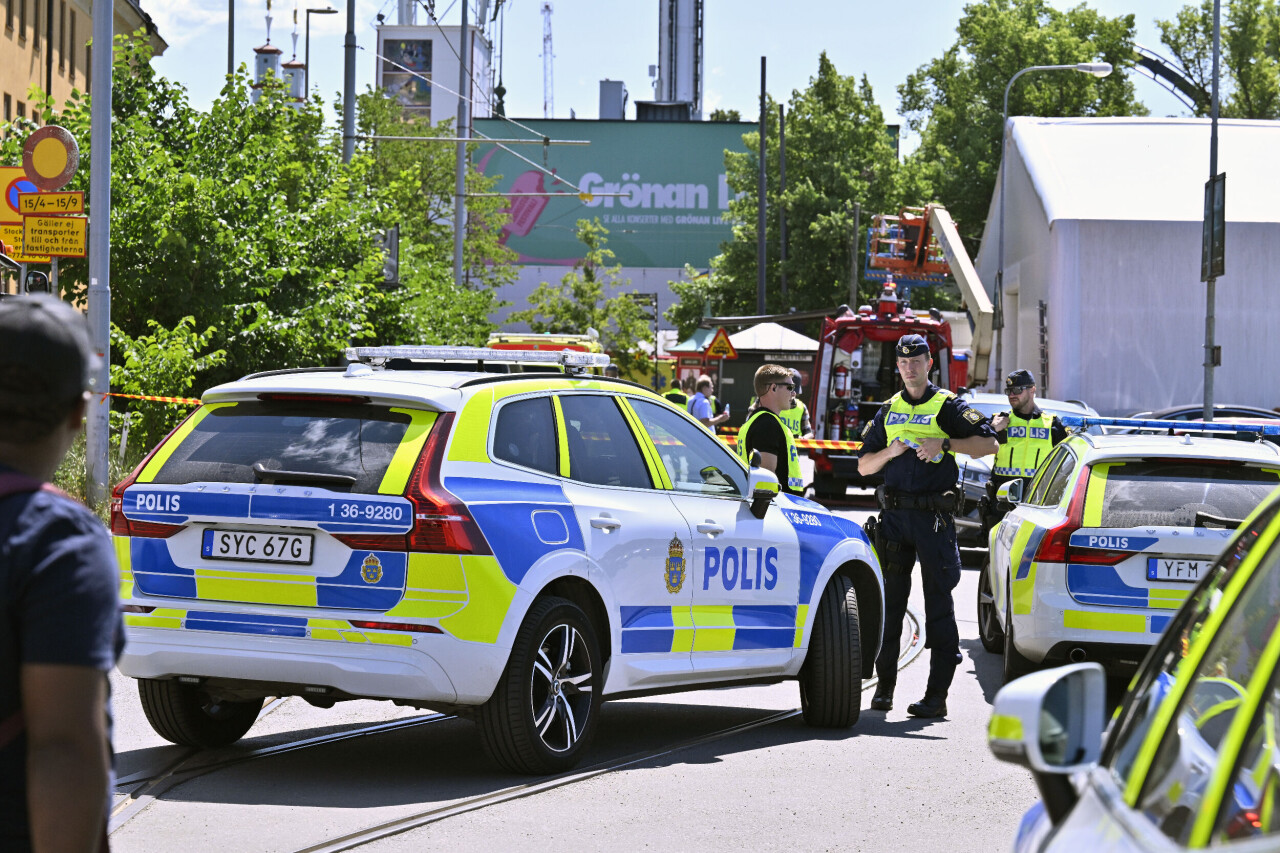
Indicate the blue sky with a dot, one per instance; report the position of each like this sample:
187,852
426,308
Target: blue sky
618,39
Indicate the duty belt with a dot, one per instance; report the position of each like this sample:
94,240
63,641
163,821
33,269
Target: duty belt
947,502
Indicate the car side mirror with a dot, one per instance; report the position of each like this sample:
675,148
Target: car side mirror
1009,493
1051,722
762,485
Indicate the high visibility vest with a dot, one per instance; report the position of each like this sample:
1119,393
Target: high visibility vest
913,423
793,418
677,398
794,478
1027,441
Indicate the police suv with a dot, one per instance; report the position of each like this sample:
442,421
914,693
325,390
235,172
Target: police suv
512,546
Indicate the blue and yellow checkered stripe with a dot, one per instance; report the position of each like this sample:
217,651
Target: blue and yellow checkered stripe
1103,586
711,627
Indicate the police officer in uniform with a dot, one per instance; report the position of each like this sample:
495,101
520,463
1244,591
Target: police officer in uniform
796,415
1026,435
913,440
764,430
676,396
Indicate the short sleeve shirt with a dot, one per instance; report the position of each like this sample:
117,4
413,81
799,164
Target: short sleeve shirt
700,407
908,473
58,605
766,436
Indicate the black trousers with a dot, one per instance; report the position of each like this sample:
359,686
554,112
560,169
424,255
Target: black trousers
909,534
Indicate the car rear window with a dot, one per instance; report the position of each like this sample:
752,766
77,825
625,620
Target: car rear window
1176,493
344,440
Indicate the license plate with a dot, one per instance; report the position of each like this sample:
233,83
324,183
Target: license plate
1177,571
257,546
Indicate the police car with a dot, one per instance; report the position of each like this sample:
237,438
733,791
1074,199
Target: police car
1110,539
1192,758
515,547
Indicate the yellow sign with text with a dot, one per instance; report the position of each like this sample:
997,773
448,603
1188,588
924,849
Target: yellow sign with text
11,235
51,204
720,347
60,236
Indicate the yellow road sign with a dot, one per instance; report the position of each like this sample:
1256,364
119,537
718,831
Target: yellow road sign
51,204
720,346
11,235
63,236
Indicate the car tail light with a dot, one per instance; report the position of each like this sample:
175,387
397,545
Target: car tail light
1055,547
396,626
441,523
121,526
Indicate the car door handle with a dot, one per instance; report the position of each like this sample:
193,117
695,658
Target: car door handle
604,522
710,528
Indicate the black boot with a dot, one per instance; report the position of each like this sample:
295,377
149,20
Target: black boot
883,700
930,706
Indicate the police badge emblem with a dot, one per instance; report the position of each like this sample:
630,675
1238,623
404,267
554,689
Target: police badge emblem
674,572
371,569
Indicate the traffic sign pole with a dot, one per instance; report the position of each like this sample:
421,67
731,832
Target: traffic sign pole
97,474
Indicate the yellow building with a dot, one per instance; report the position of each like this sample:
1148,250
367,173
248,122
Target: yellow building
46,43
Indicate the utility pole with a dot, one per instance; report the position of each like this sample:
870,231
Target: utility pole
349,86
231,37
548,85
97,472
760,213
782,191
464,133
1213,261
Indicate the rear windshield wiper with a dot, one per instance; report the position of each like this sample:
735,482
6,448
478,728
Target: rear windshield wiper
275,475
1204,519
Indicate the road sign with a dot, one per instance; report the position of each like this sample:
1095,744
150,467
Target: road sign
51,204
50,157
720,346
60,236
1213,240
13,182
12,235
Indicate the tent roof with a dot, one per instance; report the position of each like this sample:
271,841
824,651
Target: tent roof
1147,169
772,337
696,342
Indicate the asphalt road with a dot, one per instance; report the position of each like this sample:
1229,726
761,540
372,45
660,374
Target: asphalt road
890,783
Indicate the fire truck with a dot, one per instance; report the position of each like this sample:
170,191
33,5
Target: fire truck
855,371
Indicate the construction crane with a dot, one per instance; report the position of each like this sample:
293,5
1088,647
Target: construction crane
548,89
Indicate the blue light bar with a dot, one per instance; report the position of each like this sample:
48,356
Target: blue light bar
1181,427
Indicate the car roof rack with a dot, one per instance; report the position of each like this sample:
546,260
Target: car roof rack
571,360
1171,427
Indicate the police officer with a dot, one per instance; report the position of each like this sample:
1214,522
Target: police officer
676,395
796,415
1026,436
912,440
765,431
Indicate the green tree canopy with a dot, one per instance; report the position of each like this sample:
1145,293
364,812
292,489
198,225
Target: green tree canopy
1249,85
955,102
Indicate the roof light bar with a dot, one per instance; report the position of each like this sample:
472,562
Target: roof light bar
1075,421
566,358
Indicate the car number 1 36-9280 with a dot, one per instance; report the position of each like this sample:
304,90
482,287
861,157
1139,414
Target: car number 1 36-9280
257,546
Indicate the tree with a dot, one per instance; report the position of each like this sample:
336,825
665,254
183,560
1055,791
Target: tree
1250,60
955,102
725,115
579,303
838,153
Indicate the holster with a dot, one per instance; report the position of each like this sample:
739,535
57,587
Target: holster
894,556
948,502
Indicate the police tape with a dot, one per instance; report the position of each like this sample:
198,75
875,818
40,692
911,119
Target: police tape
186,401
807,443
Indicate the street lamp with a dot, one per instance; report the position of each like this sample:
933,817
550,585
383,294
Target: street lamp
306,74
1097,69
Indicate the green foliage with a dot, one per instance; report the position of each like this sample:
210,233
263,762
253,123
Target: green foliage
1250,57
70,475
725,115
838,153
163,363
955,102
694,292
579,303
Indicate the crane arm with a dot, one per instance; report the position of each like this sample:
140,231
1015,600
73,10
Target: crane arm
971,289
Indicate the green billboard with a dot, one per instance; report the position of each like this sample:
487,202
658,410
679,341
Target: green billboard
659,187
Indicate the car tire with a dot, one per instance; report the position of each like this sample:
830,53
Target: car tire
542,714
1015,665
186,715
989,630
831,678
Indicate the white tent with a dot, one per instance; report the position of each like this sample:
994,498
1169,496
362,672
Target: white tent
1104,227
772,337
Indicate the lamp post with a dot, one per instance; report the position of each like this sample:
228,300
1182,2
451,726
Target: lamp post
306,74
1097,69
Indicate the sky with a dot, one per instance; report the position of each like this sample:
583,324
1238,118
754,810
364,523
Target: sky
618,39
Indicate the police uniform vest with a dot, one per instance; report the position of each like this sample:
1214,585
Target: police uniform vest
913,423
1027,441
793,418
677,398
794,478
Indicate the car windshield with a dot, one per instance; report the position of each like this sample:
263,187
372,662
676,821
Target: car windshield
1179,492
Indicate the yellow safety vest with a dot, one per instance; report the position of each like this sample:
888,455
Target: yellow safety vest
793,418
1027,441
912,423
677,398
794,478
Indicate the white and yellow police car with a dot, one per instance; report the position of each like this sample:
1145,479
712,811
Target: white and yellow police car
514,546
1110,539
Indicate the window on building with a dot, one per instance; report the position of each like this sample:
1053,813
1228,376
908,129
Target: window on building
35,26
8,15
71,73
22,20
8,107
88,67
62,37
22,110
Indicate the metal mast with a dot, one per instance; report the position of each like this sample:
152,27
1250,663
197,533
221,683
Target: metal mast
548,89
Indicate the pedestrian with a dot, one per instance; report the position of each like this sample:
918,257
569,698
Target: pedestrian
611,371
675,395
703,404
796,415
1026,435
913,439
764,430
60,629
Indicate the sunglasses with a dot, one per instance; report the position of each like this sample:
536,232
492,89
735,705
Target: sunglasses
787,385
